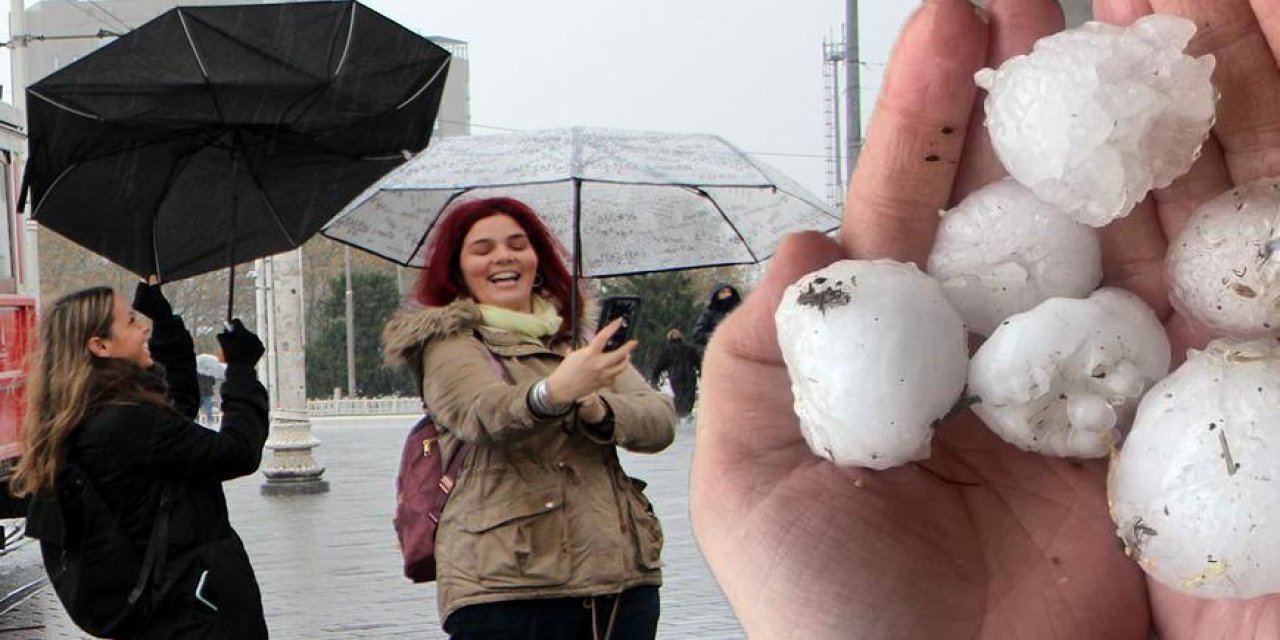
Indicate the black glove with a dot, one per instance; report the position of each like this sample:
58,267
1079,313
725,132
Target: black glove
239,345
150,301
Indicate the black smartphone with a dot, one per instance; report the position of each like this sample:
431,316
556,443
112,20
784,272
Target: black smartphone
625,307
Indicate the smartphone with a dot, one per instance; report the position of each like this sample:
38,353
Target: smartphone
625,307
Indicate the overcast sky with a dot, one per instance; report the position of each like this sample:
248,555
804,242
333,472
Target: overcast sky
748,70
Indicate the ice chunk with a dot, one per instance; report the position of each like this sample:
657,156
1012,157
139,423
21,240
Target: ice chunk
1095,117
1195,491
1223,269
1002,251
1064,378
876,357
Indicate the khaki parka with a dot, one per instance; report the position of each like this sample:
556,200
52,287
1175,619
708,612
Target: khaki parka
542,508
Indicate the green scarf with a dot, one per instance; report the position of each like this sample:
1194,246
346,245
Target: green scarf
531,327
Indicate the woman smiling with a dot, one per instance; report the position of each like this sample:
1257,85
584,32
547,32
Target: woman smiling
545,536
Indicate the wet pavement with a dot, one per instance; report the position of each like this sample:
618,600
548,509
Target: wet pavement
329,566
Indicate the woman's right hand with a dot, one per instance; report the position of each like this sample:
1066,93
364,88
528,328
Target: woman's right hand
589,369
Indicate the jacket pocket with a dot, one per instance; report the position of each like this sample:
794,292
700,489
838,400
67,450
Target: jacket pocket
520,542
646,525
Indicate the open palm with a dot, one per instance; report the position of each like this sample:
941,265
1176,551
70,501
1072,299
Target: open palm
980,540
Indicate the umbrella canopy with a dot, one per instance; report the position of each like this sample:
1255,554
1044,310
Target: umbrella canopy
211,136
624,202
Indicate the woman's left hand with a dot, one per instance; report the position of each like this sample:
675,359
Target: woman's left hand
592,409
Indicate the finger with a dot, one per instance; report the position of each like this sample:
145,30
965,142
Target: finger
745,419
598,343
153,279
1246,78
1013,26
1133,249
1120,12
1268,14
1206,179
753,334
917,132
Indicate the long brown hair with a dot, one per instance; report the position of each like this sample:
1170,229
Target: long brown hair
66,383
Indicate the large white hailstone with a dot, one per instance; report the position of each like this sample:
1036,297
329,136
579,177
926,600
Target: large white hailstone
1094,117
1224,267
1195,491
1064,378
1002,251
876,357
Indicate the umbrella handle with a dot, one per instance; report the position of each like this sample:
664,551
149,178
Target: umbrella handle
231,292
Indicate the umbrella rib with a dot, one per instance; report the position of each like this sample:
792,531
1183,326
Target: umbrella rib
175,169
62,106
746,245
346,47
430,81
48,191
204,71
262,192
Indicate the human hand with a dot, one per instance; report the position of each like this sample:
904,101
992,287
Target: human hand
239,345
592,409
589,369
982,539
150,301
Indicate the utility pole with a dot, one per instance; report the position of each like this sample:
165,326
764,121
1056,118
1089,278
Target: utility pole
351,329
852,70
292,469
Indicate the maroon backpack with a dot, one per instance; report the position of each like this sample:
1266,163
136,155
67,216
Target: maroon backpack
422,488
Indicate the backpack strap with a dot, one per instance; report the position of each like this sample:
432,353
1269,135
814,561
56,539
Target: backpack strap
454,466
158,546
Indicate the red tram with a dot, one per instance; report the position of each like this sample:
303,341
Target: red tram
18,284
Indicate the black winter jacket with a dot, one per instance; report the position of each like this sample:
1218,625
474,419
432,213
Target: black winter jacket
127,449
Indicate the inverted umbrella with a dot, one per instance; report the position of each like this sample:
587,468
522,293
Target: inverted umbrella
210,136
625,202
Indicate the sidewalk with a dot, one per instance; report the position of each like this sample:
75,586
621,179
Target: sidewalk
329,567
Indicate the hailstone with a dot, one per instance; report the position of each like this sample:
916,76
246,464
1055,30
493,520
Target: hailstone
1224,267
1094,117
1064,378
1195,491
876,357
1002,251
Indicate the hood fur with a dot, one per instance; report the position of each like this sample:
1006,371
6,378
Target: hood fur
414,325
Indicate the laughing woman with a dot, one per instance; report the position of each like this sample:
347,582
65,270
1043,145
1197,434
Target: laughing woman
114,395
545,535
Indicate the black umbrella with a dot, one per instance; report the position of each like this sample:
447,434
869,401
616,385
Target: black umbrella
211,136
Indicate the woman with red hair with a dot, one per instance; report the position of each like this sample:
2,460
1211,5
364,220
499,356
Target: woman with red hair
544,536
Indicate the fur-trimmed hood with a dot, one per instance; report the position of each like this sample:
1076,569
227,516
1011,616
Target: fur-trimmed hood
414,325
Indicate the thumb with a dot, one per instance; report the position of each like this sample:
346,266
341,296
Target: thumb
750,331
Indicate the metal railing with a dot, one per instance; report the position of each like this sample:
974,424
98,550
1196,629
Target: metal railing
345,407
364,406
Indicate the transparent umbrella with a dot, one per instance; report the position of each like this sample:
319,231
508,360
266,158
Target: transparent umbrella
624,202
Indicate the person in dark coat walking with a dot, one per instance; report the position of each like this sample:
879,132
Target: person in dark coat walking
680,363
117,395
724,298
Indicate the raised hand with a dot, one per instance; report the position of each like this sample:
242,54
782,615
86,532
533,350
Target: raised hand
150,301
239,345
589,369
